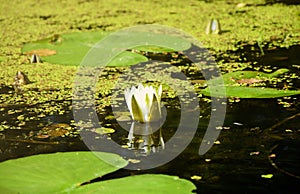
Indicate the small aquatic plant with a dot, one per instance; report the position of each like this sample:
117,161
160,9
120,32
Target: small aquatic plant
35,59
144,103
213,27
19,80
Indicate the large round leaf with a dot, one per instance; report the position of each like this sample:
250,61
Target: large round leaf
70,49
249,92
239,84
146,184
176,43
55,173
66,173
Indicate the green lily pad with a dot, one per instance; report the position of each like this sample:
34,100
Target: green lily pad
249,92
53,173
146,184
153,49
175,43
66,173
104,130
70,49
238,84
249,77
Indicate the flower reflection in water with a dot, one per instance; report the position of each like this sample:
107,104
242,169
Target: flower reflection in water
144,104
147,143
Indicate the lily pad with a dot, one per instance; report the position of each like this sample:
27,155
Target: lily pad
153,49
146,184
53,173
249,92
249,77
104,130
238,84
42,52
71,172
71,49
177,43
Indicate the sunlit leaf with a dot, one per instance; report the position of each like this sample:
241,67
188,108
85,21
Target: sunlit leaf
158,42
53,173
72,48
239,84
104,130
66,173
267,176
250,92
146,184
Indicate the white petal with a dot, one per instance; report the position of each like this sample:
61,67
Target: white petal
128,97
140,98
159,92
137,112
155,113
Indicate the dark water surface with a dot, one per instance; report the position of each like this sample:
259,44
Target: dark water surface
234,164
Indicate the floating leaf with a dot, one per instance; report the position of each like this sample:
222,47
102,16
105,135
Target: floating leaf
153,49
238,77
176,43
196,177
41,52
53,173
74,46
104,130
127,58
236,85
267,176
66,173
146,184
250,92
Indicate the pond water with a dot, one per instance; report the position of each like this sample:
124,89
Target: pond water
240,157
259,137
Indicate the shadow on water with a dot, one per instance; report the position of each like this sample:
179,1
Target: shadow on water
263,55
259,137
286,2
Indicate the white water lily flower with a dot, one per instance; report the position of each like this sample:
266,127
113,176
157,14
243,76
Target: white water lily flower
143,103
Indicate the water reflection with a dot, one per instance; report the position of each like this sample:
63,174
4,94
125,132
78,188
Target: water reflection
145,138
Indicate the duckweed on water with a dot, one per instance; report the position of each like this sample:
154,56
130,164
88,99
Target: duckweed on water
236,24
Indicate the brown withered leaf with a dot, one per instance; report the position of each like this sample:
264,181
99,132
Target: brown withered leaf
42,52
249,81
